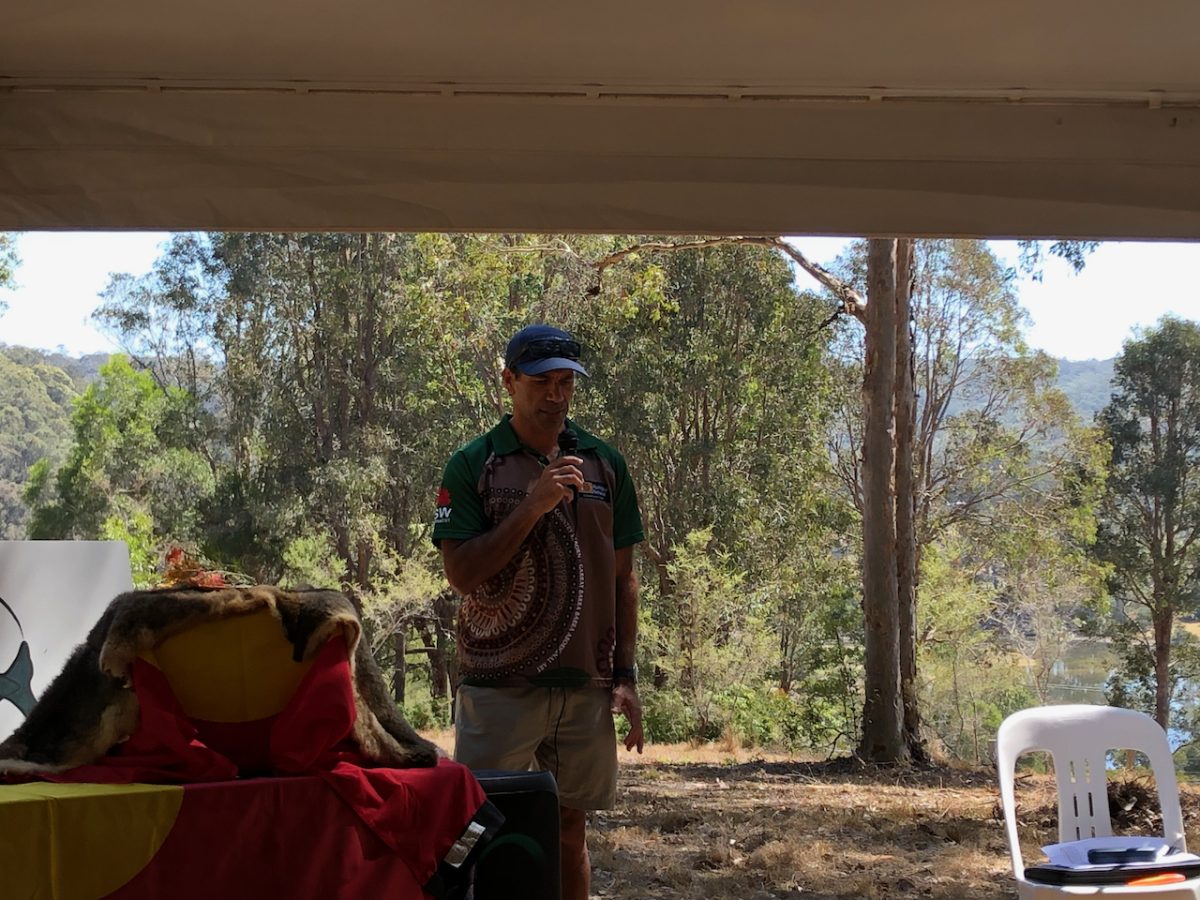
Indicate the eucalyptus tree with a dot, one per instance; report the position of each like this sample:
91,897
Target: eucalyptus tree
332,375
125,475
708,367
1150,515
969,431
310,362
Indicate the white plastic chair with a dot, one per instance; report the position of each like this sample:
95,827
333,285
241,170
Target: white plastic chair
1078,738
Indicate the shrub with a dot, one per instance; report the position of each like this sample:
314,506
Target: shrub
666,717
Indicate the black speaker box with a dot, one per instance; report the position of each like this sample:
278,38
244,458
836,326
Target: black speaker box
522,861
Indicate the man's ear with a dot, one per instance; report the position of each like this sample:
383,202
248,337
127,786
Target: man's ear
508,376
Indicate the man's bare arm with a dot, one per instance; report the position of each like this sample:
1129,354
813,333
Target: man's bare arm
625,696
468,564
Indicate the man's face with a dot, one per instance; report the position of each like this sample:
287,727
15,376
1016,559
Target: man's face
542,400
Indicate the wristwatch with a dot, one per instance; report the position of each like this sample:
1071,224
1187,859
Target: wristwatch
626,674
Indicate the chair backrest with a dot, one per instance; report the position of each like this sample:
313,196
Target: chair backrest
1078,739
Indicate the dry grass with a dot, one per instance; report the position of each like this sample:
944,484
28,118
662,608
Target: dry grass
720,822
774,828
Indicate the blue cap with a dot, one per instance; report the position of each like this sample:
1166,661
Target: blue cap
539,348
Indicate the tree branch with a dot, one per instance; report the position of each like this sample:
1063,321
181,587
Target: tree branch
850,301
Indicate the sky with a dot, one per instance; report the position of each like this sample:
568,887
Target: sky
1086,316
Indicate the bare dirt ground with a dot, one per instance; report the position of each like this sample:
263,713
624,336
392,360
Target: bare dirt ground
721,822
757,829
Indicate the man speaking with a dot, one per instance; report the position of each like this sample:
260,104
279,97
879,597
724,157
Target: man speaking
536,522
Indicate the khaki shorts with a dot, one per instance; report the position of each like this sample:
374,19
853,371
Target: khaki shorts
566,731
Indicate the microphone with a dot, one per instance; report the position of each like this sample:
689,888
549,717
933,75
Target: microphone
568,441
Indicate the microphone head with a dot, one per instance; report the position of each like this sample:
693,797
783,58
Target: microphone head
568,441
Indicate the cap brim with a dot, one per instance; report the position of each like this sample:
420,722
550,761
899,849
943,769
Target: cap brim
538,366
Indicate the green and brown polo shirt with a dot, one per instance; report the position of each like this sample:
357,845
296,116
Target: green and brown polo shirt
550,614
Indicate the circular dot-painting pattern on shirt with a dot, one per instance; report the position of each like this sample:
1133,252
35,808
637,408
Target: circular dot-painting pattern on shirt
521,618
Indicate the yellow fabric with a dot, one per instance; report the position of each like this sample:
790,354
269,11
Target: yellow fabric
91,838
232,670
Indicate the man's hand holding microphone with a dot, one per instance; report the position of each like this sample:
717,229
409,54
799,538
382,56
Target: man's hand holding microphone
562,478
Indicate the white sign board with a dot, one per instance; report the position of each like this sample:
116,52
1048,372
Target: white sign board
52,592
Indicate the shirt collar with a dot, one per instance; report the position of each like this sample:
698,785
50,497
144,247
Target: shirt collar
505,440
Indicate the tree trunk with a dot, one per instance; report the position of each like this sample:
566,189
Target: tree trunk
666,591
883,721
906,539
1164,622
439,656
362,566
785,659
400,672
426,630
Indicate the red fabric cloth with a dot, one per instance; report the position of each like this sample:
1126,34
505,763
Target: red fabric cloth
269,838
165,748
417,814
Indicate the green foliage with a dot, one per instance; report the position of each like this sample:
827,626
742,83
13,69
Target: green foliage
303,391
755,714
113,424
707,367
760,715
421,710
666,716
35,408
310,559
136,528
994,435
969,679
1006,480
1150,512
124,476
406,592
8,262
1034,253
714,635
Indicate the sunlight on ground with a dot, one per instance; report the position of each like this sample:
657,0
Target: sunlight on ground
715,821
715,753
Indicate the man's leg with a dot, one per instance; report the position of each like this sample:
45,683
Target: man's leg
498,727
581,751
576,866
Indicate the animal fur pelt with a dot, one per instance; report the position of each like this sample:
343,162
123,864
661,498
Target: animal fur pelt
90,707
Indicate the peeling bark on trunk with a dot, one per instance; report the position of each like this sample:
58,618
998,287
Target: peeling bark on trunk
883,721
906,540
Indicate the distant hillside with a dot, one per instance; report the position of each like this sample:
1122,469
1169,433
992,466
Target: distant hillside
83,370
36,399
1087,384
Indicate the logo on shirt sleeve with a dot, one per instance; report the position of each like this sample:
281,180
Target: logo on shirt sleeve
442,511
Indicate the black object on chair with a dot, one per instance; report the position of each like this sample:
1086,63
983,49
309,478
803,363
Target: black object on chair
522,860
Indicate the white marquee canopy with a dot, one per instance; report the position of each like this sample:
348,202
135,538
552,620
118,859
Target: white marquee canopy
1029,117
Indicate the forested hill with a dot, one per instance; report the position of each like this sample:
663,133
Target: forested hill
36,400
1088,384
82,370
